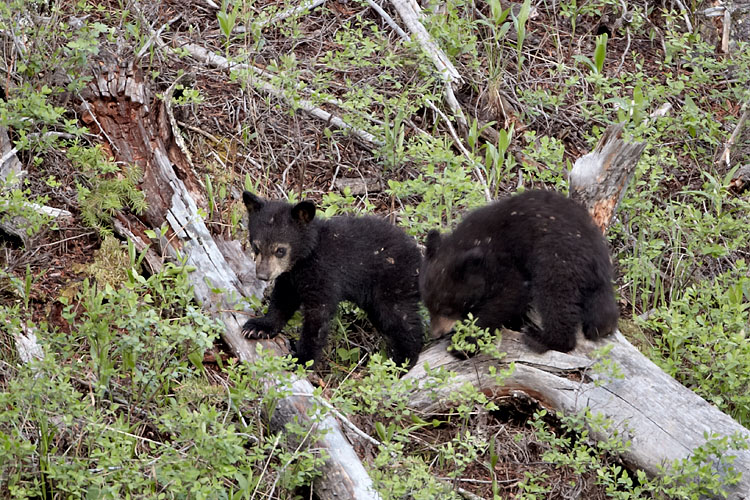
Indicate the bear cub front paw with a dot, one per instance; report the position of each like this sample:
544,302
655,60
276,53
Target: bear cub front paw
259,328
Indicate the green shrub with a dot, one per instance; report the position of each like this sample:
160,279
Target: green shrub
122,406
701,339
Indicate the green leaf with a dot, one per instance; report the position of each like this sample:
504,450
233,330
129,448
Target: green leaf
600,52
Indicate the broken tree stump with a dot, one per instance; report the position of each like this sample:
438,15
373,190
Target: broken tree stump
598,179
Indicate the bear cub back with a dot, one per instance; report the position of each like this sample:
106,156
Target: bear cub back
317,263
537,254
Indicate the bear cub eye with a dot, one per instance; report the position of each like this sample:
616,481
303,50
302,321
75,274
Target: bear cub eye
280,252
255,249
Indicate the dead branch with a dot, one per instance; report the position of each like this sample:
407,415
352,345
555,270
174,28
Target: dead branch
448,73
411,19
725,155
465,152
262,82
388,19
11,174
293,11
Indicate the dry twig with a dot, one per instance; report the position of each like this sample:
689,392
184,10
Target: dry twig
733,138
262,82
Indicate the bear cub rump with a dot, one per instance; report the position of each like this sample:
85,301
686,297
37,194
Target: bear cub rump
534,254
319,263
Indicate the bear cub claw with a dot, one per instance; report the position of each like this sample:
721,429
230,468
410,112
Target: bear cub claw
258,328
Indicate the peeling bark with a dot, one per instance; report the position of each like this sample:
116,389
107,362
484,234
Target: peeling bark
599,178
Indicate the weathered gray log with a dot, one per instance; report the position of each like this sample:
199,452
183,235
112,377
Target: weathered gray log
119,101
599,178
664,420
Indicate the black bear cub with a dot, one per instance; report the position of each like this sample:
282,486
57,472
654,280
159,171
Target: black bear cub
319,263
536,254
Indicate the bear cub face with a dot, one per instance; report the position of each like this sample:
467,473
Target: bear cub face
451,285
534,261
318,263
277,234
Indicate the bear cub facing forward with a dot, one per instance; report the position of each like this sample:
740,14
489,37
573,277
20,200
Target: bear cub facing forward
319,263
533,254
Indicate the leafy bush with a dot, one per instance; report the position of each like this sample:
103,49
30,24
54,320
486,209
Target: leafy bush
101,193
568,445
701,339
122,405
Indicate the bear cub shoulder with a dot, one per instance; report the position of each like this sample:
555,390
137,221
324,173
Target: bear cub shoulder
537,254
317,263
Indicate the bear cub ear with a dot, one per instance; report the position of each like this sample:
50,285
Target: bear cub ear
432,243
252,202
303,212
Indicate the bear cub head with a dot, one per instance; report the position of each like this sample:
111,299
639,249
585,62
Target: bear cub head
280,234
451,284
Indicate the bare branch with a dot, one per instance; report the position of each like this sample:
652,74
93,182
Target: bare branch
262,82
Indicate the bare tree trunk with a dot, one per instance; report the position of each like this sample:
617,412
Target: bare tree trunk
119,103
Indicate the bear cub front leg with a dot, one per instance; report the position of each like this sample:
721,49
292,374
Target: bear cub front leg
284,302
315,331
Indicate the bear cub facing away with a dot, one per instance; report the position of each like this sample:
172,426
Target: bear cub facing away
319,263
533,254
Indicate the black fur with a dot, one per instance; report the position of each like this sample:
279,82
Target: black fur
364,260
536,250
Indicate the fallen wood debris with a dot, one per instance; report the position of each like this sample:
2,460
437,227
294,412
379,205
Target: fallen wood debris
11,174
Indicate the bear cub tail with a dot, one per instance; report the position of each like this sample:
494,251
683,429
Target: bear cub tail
317,263
534,254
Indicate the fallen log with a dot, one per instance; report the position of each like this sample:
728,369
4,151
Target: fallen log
118,100
664,420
